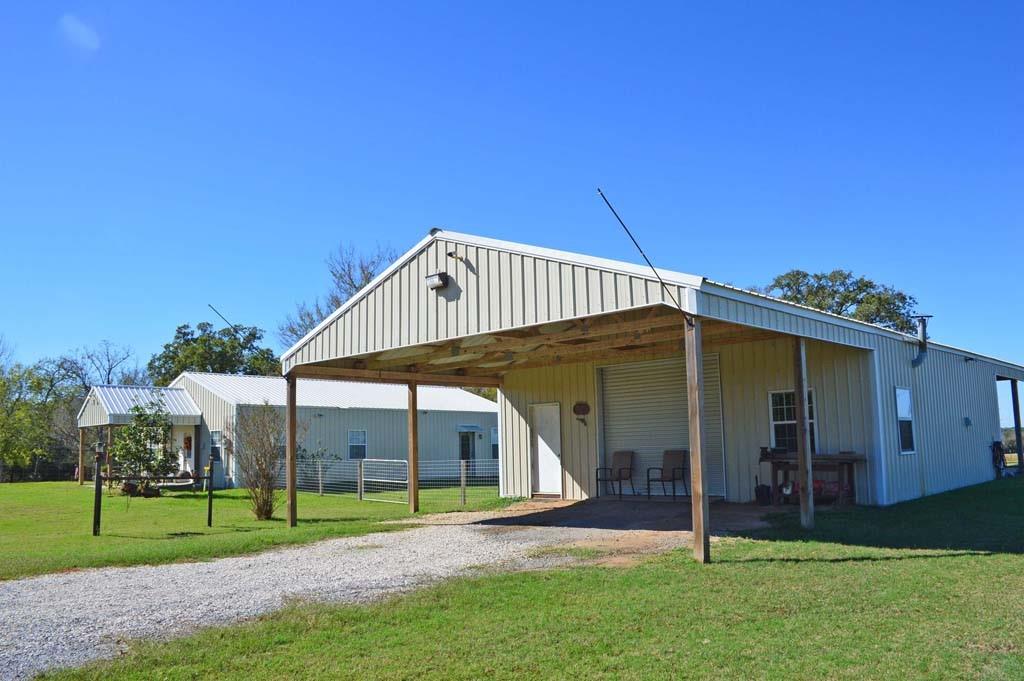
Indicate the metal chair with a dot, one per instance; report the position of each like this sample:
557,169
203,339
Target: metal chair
673,467
621,469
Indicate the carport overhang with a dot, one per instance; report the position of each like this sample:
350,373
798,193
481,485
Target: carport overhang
482,360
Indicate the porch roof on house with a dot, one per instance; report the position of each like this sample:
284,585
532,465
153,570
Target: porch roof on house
111,405
250,390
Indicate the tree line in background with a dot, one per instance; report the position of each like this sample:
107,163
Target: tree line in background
39,403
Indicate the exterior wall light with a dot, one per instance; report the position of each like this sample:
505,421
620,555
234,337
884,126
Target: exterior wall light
437,281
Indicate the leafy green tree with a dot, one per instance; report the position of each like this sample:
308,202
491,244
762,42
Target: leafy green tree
229,350
143,446
24,415
842,293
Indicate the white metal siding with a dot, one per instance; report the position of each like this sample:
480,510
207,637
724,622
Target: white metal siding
645,410
490,289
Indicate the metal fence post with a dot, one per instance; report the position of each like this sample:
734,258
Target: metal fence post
359,479
97,501
463,466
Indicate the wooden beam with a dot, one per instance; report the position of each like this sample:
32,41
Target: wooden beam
804,474
81,456
631,354
290,426
414,452
699,508
380,376
1016,422
530,342
565,350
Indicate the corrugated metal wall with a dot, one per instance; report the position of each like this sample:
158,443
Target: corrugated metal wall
93,413
644,408
565,385
386,432
217,415
946,389
841,378
490,289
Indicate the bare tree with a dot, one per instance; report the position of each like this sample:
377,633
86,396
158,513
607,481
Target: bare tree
257,441
105,364
350,272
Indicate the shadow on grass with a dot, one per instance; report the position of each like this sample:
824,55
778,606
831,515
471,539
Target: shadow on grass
977,520
929,555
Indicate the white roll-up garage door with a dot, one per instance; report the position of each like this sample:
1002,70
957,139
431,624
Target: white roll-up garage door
645,410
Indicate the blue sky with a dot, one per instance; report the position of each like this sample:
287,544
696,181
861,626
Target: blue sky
156,157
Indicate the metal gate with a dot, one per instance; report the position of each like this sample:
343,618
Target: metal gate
384,480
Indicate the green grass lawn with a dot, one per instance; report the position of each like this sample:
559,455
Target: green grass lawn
47,526
927,589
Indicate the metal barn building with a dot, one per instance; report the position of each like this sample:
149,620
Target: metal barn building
346,420
593,356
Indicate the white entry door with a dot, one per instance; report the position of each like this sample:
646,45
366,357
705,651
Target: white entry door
546,428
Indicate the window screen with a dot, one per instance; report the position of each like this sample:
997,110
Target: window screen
783,416
905,419
357,444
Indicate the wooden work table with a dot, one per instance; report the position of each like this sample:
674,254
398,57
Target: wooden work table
843,464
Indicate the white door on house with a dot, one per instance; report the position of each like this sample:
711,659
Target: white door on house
546,446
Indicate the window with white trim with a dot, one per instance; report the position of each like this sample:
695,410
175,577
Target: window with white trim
782,412
494,442
357,444
905,419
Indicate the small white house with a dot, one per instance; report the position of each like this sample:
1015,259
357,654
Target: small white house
107,407
346,420
343,420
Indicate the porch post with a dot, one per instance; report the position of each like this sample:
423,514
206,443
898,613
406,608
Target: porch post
803,434
196,469
110,441
1016,422
289,447
81,456
413,471
695,402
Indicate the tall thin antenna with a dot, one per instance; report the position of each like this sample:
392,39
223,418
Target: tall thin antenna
233,327
664,286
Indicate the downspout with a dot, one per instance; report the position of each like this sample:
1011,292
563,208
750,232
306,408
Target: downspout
922,340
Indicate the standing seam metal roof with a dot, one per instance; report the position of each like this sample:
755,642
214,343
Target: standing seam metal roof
338,394
117,401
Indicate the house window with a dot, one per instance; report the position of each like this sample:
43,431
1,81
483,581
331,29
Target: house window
783,416
216,441
905,420
494,442
357,444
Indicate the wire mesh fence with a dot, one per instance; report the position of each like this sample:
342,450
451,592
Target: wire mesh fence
443,484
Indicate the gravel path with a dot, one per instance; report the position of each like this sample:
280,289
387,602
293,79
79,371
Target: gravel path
67,619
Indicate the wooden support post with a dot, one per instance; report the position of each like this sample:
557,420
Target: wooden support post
290,447
695,400
1016,423
414,452
196,468
804,475
81,456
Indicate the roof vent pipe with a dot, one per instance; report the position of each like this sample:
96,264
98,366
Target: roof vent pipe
922,339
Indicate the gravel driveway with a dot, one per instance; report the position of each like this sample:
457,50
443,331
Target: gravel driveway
70,618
